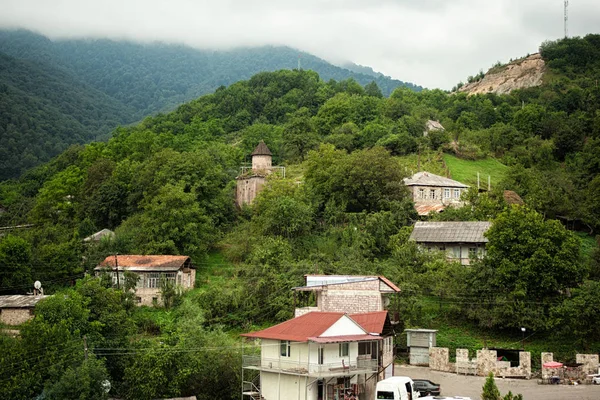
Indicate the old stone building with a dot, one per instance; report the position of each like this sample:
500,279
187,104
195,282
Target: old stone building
433,193
462,241
252,180
17,309
151,270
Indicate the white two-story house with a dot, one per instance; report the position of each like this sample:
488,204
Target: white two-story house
318,356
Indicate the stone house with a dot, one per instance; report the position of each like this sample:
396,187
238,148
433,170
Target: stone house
462,241
320,356
252,180
150,270
347,293
17,309
433,192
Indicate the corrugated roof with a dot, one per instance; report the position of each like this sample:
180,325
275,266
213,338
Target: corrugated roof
100,235
318,281
429,179
20,301
262,150
425,209
450,232
371,322
347,338
145,263
299,329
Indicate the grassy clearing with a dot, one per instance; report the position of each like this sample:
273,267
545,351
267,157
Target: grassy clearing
588,245
466,170
214,270
429,161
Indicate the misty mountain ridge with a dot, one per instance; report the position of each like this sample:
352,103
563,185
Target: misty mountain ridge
87,87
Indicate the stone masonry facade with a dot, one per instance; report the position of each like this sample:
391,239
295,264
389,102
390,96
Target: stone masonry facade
352,298
15,316
485,362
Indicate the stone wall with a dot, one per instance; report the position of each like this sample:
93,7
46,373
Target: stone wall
15,316
248,188
352,298
485,362
547,372
439,359
590,363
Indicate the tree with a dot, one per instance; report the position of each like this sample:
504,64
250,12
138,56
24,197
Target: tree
15,264
299,135
371,89
84,382
530,264
490,390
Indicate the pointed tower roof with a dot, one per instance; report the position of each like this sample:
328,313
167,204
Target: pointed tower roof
262,150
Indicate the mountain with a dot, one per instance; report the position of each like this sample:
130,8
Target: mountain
43,110
123,82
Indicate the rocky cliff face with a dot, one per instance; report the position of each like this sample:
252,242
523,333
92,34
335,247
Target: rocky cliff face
523,73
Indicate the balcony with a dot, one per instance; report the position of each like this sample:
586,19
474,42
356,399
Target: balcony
278,365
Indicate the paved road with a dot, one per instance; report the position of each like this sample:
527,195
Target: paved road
460,385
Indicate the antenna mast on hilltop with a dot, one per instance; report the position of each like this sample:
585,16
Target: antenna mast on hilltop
566,18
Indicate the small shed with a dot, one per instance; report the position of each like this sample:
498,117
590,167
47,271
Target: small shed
17,309
419,341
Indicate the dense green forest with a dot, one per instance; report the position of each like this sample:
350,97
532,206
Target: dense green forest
167,186
57,93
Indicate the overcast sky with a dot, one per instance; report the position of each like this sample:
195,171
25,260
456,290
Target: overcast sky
433,43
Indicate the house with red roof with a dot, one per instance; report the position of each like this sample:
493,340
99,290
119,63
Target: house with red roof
319,356
151,271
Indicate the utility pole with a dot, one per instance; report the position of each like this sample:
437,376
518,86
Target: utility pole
566,18
117,267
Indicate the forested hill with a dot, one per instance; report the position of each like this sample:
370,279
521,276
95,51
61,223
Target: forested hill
167,186
94,85
43,110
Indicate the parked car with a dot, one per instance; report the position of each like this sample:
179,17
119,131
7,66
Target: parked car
427,388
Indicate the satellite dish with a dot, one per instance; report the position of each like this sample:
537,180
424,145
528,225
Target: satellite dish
37,285
106,386
386,301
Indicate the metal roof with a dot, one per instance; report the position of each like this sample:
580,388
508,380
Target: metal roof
347,338
100,235
425,209
450,232
301,328
429,179
309,327
262,150
146,263
372,322
20,301
318,281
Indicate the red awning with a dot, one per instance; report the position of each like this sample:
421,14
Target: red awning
552,364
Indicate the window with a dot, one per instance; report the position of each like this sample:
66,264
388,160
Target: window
138,299
344,349
285,348
432,194
153,280
456,251
457,193
446,193
364,348
421,193
472,253
320,356
385,395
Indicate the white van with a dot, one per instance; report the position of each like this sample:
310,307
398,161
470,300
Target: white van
396,388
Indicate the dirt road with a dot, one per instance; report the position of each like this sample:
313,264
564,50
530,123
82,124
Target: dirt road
460,385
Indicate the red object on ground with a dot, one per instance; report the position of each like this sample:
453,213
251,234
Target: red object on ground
552,364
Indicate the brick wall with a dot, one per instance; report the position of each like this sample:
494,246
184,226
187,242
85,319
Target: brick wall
15,316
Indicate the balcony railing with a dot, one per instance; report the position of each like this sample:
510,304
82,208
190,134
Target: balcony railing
356,365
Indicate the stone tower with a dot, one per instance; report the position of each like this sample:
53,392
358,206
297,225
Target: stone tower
251,181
